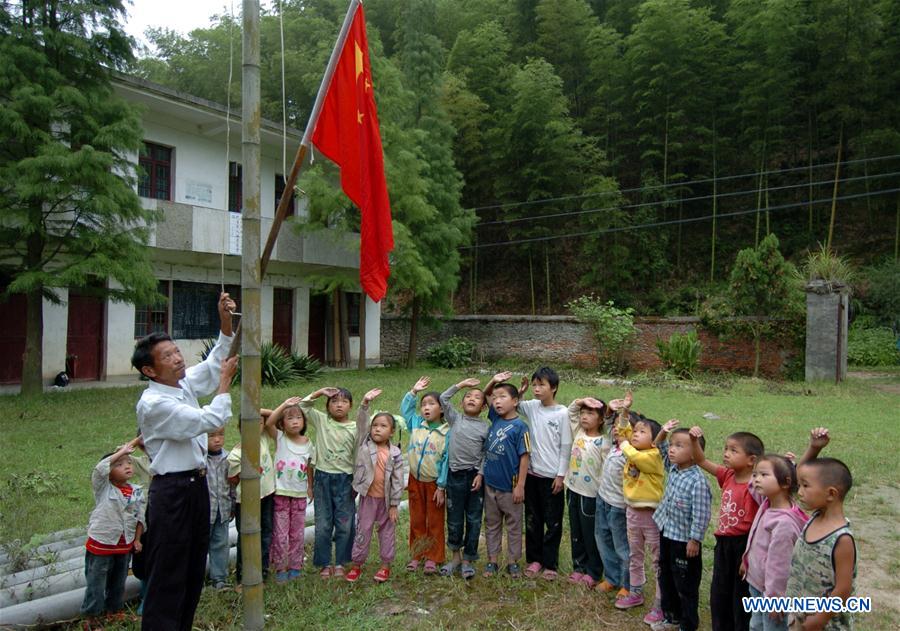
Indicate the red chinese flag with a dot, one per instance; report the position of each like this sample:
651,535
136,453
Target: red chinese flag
347,133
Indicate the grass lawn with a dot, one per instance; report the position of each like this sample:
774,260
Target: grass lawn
51,444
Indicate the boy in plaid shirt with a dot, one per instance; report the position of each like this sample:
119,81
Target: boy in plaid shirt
682,518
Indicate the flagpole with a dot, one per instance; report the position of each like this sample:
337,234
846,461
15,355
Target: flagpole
291,179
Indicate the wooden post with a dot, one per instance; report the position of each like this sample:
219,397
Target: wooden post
251,279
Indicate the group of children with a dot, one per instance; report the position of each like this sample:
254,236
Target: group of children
632,488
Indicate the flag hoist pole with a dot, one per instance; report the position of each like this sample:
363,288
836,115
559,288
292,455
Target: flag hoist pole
251,280
291,179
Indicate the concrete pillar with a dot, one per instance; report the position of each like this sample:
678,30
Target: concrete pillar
267,299
56,328
301,321
119,337
373,331
826,331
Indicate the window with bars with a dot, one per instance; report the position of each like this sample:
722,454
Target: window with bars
353,301
235,188
156,165
153,318
195,312
279,191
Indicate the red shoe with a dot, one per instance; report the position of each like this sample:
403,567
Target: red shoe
354,574
382,575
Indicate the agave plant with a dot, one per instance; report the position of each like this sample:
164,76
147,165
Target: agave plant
277,364
825,265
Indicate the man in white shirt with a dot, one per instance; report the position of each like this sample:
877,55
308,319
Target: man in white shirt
174,428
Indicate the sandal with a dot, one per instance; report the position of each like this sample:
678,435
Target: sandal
467,571
513,570
325,573
533,569
413,565
449,568
430,567
550,575
490,570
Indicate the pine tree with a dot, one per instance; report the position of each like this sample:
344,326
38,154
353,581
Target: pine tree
70,214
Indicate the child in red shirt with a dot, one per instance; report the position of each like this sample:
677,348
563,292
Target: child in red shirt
736,514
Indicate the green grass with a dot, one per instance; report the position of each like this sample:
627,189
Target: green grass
50,445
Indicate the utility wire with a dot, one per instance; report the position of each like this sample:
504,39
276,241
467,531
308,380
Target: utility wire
665,202
672,222
684,183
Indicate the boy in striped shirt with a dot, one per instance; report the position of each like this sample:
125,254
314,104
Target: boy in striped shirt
682,517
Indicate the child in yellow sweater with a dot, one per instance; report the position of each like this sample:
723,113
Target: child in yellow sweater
642,484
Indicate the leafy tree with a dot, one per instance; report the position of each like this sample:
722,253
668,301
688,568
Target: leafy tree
762,285
563,37
68,211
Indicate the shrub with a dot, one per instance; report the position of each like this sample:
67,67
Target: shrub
277,365
613,329
455,352
872,347
881,293
307,367
681,354
823,264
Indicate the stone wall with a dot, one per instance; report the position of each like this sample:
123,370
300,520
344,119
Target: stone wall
564,340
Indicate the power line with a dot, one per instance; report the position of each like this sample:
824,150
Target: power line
754,191
671,222
685,183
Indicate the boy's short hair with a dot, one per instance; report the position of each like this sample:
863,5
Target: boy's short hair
832,472
279,424
143,350
750,443
511,390
654,426
342,393
685,430
550,375
215,432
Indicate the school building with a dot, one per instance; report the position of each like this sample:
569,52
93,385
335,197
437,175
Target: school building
186,177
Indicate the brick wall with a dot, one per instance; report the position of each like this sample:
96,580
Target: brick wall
564,340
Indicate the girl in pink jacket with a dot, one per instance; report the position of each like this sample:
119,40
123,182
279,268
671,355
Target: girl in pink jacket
779,521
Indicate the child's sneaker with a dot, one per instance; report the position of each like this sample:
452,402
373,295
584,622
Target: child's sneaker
513,570
605,586
382,575
354,574
282,577
665,625
631,600
653,616
292,574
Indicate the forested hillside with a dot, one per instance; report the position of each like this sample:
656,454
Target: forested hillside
537,150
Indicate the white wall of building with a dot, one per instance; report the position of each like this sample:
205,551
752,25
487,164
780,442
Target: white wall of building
119,336
300,315
56,325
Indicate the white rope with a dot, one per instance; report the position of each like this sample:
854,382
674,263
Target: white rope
283,96
227,230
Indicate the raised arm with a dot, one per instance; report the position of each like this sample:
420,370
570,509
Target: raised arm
100,474
818,440
274,415
575,414
699,457
204,377
362,415
670,425
308,405
500,377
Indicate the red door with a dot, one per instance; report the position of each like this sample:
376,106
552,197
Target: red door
84,341
318,321
283,318
12,339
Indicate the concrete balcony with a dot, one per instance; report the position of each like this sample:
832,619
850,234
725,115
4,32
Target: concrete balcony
200,230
